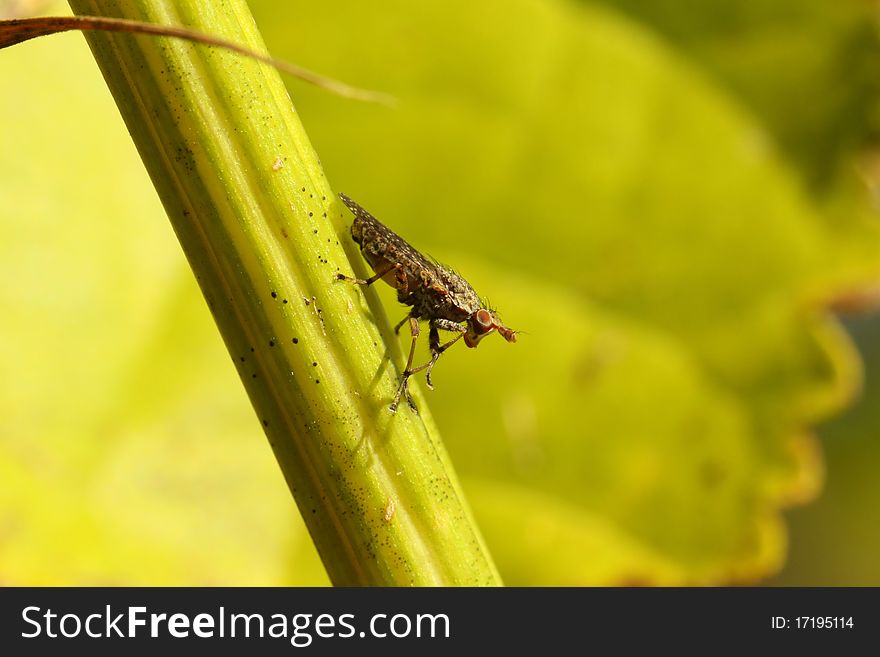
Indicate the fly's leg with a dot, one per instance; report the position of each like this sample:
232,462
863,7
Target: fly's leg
364,281
402,287
436,348
403,388
435,354
400,324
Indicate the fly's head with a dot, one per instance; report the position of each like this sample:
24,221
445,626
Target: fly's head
481,323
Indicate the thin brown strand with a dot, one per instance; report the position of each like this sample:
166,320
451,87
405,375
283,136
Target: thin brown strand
18,30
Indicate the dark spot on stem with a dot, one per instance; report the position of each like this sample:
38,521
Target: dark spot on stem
271,343
296,341
274,295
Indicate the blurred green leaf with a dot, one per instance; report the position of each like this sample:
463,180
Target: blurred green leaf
810,69
835,541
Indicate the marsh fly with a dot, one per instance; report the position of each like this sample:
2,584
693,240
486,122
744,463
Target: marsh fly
435,293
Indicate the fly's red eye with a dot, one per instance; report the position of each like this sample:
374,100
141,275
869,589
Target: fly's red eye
484,319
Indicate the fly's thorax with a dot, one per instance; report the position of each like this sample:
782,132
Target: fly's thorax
461,295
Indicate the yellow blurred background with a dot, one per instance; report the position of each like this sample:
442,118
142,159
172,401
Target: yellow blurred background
667,198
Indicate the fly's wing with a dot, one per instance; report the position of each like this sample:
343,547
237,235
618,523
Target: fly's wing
378,240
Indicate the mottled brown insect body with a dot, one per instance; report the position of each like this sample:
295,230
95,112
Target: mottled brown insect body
436,294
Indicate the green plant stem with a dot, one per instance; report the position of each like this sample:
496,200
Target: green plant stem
265,235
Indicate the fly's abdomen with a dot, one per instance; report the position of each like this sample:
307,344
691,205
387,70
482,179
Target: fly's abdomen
357,230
